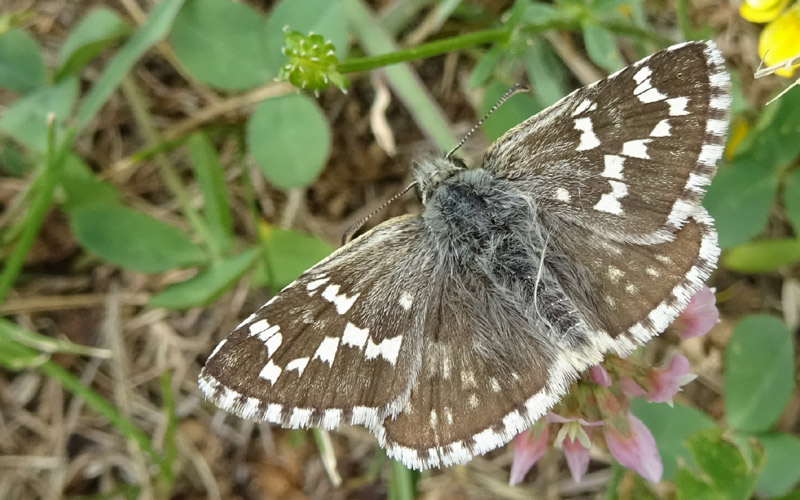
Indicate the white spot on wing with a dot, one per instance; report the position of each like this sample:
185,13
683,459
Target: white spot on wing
716,127
583,106
661,129
710,153
313,285
342,302
258,327
273,343
298,364
389,349
434,419
722,102
216,349
446,368
406,300
271,372
643,74
609,202
331,418
468,379
588,138
613,166
677,106
354,335
448,415
473,401
636,148
650,95
615,274
563,195
299,417
267,334
327,350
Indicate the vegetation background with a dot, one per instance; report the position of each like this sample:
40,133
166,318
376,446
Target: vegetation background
158,184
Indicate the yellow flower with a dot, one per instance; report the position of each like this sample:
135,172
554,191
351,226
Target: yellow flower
780,40
762,11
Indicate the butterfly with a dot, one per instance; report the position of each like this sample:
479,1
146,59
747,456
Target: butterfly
580,233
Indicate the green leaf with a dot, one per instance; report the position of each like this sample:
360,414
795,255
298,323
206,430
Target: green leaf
486,65
602,6
791,200
211,178
305,16
759,373
288,254
782,469
741,195
132,239
539,13
601,48
12,162
26,119
81,187
100,28
726,474
223,44
207,285
739,200
670,427
762,256
153,30
545,72
521,107
772,142
289,139
21,65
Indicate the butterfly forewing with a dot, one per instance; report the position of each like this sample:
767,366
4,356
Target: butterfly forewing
339,345
629,156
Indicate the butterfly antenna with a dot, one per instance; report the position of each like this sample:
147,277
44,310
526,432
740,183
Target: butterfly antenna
516,89
357,225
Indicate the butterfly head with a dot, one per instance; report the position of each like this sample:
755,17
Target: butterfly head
430,172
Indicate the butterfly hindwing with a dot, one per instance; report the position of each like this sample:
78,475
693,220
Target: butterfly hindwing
628,156
638,290
339,345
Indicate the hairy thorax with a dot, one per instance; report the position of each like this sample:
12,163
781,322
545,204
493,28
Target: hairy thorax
495,256
479,222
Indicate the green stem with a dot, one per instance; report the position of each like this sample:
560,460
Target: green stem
682,14
165,168
401,484
431,49
628,29
46,183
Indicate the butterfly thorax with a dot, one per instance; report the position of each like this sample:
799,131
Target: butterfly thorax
477,220
487,235
429,173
